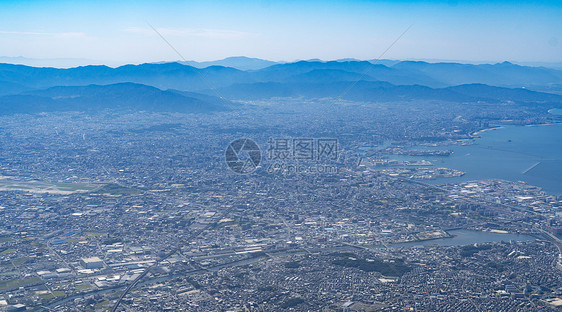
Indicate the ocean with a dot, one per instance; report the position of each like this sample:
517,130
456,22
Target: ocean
518,153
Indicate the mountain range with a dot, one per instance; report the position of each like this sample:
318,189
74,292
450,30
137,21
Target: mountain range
238,62
178,87
121,97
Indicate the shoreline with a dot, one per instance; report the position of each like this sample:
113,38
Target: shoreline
543,124
550,111
474,134
485,130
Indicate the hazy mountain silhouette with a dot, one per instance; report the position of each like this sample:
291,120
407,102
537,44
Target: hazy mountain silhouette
361,91
7,88
504,94
238,62
140,87
121,96
368,91
164,76
187,78
321,70
501,74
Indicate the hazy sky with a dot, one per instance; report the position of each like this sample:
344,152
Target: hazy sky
117,32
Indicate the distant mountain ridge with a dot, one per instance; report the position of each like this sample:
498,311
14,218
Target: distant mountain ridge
500,74
188,78
121,97
376,91
183,88
163,76
238,62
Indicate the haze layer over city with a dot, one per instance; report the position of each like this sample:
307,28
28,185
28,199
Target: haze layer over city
280,156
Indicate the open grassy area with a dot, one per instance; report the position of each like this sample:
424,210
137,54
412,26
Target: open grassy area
116,189
7,251
45,187
100,305
9,274
54,294
46,296
94,234
9,284
83,286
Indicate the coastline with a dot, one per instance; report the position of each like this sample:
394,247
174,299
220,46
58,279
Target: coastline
484,130
552,111
543,124
474,134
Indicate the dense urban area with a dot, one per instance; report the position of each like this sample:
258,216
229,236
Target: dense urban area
139,211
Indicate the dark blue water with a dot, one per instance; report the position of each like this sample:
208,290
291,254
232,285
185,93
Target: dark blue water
518,153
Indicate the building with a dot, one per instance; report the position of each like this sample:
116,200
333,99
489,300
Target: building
91,263
17,308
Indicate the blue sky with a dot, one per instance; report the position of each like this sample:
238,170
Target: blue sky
117,32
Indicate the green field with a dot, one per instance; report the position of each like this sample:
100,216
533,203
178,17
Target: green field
7,184
9,284
7,251
83,286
